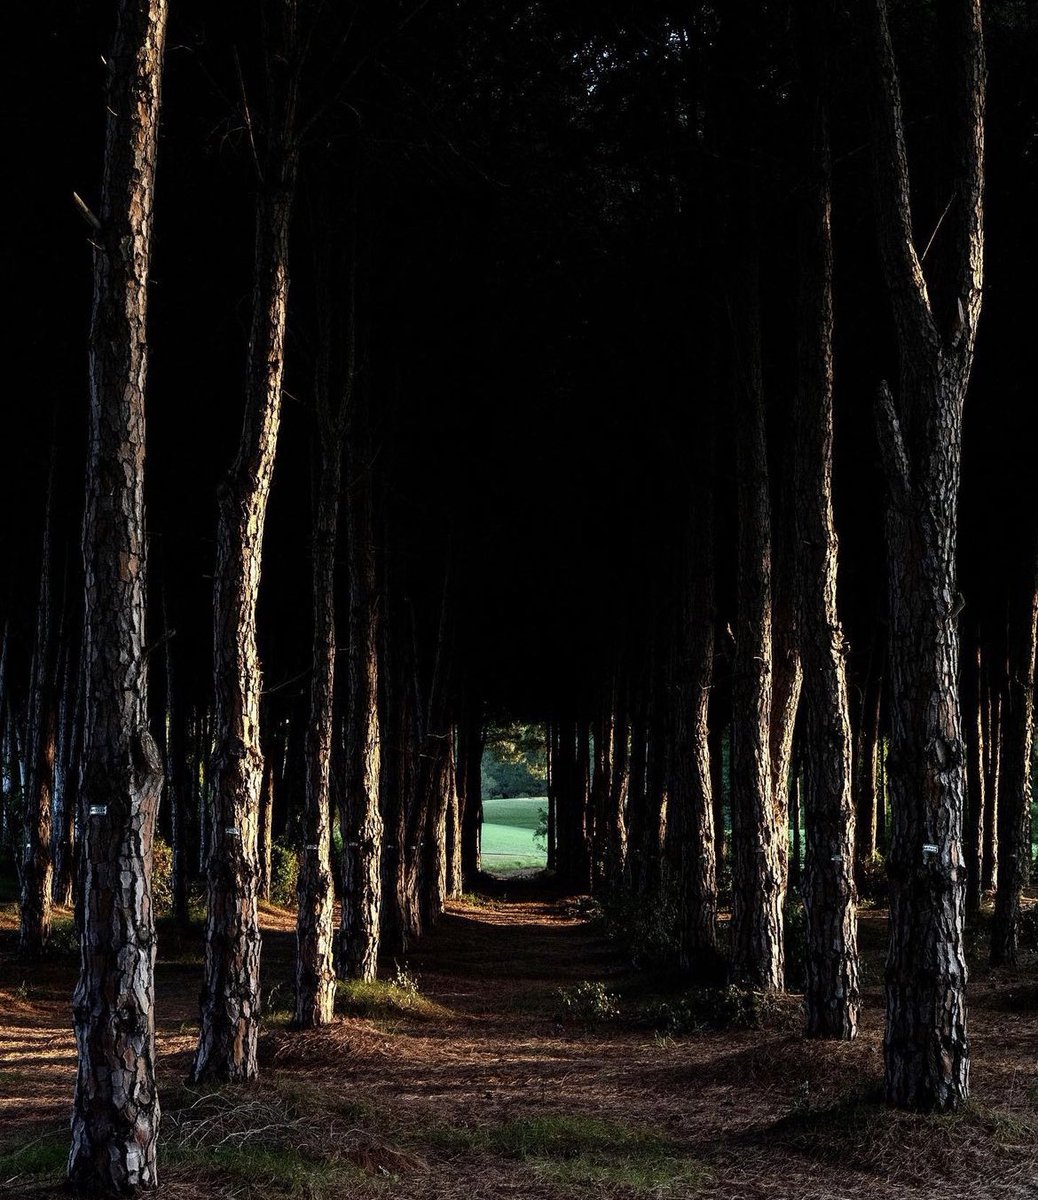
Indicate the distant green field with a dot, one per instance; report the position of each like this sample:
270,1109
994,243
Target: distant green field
508,829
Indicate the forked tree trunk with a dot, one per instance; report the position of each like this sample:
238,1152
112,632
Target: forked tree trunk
832,997
115,1114
758,825
1014,817
230,1008
36,874
927,1052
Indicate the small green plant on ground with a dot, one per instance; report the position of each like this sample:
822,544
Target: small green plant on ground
584,1151
380,998
703,1008
284,874
588,1002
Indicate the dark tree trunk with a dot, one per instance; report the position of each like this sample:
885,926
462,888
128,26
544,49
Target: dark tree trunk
36,874
315,914
690,799
115,1115
470,782
634,865
1014,815
66,781
973,733
868,797
361,816
831,997
927,1052
176,753
230,1009
758,827
266,832
717,782
991,719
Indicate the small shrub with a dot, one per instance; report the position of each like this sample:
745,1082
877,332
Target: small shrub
646,926
711,1008
284,875
588,1002
796,946
162,877
873,882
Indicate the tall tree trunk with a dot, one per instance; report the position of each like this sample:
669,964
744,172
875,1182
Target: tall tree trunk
230,1009
66,781
176,755
36,862
991,720
115,1114
470,783
832,997
315,917
927,1052
265,846
690,780
362,816
973,731
868,800
1014,816
758,826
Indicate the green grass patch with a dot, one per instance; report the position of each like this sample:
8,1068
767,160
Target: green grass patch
380,998
583,1152
45,1154
287,1171
507,839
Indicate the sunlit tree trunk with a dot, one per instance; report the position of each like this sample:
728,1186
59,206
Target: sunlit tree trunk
927,1051
230,1009
758,824
831,998
115,1114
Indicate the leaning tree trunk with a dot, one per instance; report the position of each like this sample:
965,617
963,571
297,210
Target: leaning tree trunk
115,1115
1014,815
927,1052
230,1009
36,874
831,997
758,826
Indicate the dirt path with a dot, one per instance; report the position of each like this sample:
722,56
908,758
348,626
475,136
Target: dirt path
480,1086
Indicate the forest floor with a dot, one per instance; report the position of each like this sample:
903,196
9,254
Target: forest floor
470,1074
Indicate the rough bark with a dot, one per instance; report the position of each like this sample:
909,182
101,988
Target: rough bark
831,996
230,1008
362,817
1014,816
868,802
115,1115
927,1051
758,826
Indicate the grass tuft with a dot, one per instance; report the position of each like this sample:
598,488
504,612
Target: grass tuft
580,1151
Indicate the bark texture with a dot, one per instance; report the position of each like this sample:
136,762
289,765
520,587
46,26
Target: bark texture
927,1051
115,1116
831,997
230,1009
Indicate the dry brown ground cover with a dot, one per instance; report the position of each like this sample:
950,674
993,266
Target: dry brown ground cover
479,1084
